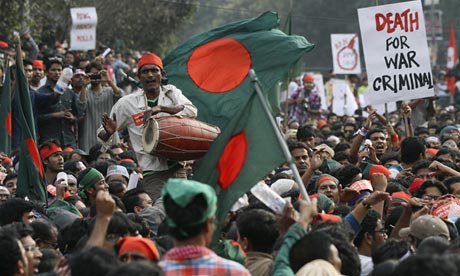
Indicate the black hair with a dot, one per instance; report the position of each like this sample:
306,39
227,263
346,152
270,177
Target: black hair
116,187
70,235
430,183
139,268
305,132
140,224
389,156
93,64
131,199
259,227
43,230
93,261
52,60
433,245
375,130
420,130
312,246
27,62
10,253
185,218
342,146
346,174
384,269
390,250
367,226
10,175
449,181
446,150
411,149
13,209
50,258
420,164
431,265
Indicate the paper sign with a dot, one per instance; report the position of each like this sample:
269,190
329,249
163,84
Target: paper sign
83,31
345,53
396,52
364,100
343,100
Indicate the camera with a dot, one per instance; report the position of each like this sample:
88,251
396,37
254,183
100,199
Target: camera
96,76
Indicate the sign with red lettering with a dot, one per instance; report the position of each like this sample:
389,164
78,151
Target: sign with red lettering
396,52
83,31
345,53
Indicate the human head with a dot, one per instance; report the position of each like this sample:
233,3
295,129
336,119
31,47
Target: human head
421,170
78,79
45,234
16,210
150,71
90,182
257,230
378,138
10,182
136,249
93,70
453,185
423,227
299,152
431,190
28,69
38,72
308,81
390,250
53,68
117,172
190,207
425,265
93,261
329,186
372,233
52,156
412,150
301,252
136,200
12,256
306,134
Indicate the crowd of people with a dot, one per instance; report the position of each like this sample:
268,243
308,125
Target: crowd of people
384,190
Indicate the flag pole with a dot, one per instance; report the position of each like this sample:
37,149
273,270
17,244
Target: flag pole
280,139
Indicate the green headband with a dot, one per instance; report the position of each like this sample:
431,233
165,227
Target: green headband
91,177
183,191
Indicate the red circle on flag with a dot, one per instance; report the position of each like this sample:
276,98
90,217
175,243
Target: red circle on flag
220,65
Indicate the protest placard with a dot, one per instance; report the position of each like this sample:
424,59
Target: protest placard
343,100
396,52
83,31
345,53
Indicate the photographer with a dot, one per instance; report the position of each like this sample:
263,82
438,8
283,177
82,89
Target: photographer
100,99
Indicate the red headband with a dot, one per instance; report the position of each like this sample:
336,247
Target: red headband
46,151
150,58
308,77
141,245
325,178
38,64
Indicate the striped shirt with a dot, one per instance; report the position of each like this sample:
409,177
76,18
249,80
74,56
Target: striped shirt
96,105
198,260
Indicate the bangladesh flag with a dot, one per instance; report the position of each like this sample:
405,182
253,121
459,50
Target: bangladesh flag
212,68
245,151
5,113
30,174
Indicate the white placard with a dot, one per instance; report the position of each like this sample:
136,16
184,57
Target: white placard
343,100
345,53
83,31
364,100
396,52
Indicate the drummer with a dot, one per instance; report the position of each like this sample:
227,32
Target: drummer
128,113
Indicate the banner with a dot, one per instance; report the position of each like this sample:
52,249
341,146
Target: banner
396,52
83,32
345,53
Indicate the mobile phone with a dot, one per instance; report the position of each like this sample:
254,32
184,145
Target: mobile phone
106,52
63,176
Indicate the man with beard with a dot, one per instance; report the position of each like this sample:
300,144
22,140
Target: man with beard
37,74
299,152
53,160
100,100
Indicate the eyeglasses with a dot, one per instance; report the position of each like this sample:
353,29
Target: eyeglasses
382,231
430,197
31,248
4,196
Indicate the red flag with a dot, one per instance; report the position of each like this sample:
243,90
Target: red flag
451,59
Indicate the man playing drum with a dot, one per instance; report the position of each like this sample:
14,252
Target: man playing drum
128,113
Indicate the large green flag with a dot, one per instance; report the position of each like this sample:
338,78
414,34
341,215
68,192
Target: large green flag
246,150
30,174
5,113
212,68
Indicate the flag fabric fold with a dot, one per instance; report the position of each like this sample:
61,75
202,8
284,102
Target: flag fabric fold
30,173
5,113
451,59
245,151
212,68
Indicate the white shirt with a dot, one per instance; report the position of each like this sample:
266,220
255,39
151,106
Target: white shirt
129,112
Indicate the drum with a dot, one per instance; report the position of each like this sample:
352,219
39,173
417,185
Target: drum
177,138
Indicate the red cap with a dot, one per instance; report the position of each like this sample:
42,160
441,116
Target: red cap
38,64
141,245
150,58
3,44
321,124
378,168
327,217
68,150
416,183
308,77
6,160
432,151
